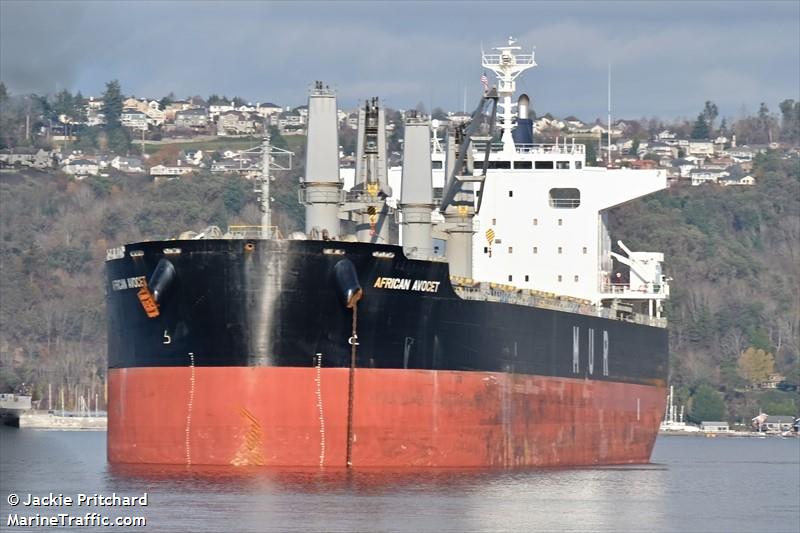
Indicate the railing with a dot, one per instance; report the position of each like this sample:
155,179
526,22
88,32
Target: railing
490,292
559,149
497,59
565,203
253,232
640,290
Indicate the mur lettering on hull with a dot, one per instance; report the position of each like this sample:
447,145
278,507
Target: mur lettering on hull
576,351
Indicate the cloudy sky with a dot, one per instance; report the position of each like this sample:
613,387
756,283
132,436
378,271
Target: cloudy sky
667,58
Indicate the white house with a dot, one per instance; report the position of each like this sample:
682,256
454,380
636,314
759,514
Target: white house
703,175
80,168
215,110
714,427
701,148
128,164
744,180
164,171
133,119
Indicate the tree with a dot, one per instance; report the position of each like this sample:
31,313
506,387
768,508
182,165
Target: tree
700,129
112,104
723,128
710,113
438,113
635,145
238,102
591,152
766,123
790,120
164,102
4,96
215,99
707,404
756,365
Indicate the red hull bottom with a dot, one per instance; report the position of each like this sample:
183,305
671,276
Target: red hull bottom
286,416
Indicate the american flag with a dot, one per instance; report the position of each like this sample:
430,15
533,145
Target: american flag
485,82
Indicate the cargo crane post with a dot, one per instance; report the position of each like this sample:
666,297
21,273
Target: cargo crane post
458,197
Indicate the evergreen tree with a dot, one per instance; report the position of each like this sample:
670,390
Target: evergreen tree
700,129
790,120
112,104
710,113
164,102
707,404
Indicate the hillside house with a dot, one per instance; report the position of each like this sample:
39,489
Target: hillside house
134,119
160,172
267,109
81,168
26,157
702,149
131,165
195,118
235,123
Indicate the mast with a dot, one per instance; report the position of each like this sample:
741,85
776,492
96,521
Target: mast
507,66
266,214
608,132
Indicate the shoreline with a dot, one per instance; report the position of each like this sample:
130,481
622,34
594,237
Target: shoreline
44,420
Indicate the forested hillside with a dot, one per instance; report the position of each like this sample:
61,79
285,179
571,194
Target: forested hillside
733,254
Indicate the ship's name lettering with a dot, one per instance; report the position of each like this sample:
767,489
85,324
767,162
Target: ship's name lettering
128,283
405,284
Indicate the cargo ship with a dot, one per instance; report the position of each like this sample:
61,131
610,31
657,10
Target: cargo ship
473,318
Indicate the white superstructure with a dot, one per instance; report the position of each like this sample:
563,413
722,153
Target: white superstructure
542,223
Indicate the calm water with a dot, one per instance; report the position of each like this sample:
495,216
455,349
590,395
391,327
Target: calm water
694,484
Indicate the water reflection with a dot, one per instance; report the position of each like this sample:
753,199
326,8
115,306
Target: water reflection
417,500
695,484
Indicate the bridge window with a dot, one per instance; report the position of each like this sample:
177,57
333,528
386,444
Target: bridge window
511,249
497,164
436,165
578,164
559,277
585,250
510,194
576,278
535,221
544,165
560,249
568,198
562,164
536,249
527,277
510,277
523,165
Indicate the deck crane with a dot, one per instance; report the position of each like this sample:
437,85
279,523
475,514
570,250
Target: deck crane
458,196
